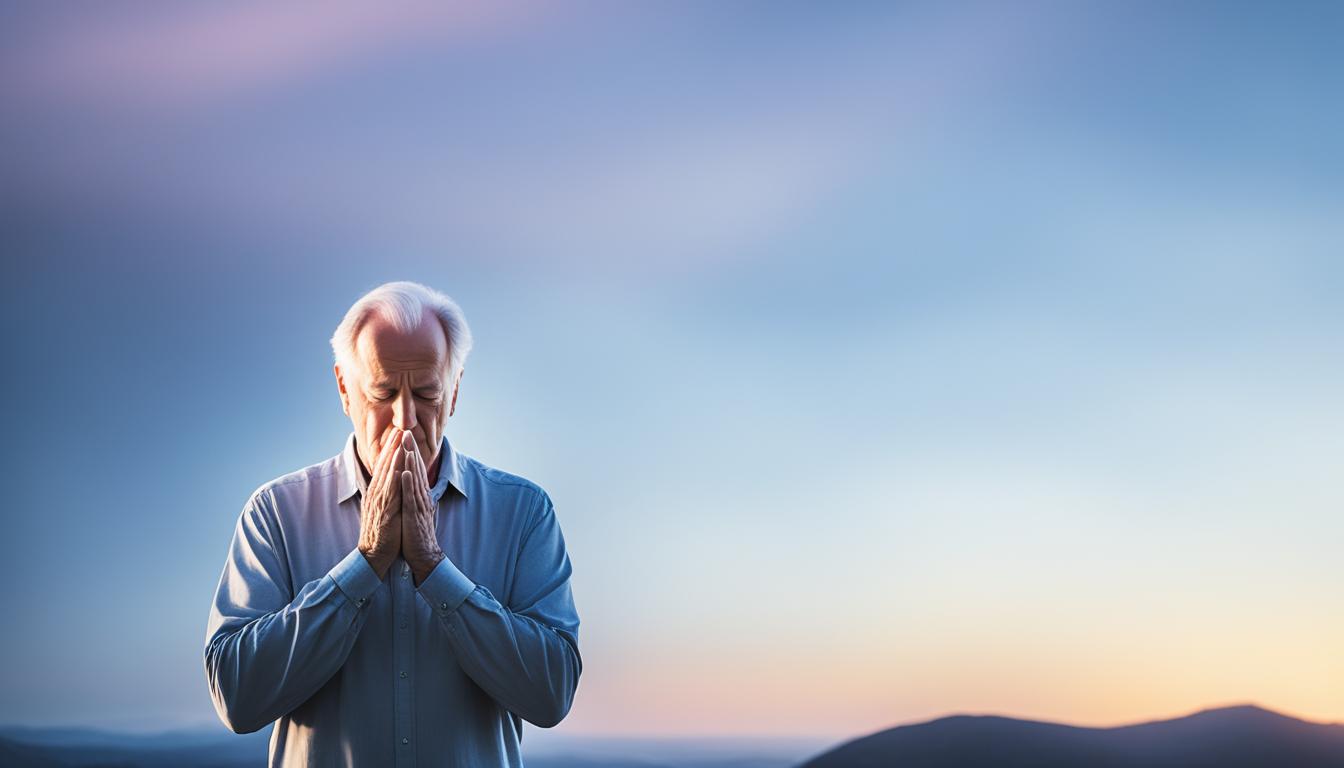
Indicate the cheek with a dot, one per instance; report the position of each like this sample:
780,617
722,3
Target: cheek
374,420
431,417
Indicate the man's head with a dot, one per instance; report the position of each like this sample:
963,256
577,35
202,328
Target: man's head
399,356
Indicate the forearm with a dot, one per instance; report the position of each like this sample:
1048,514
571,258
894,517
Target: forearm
530,668
262,668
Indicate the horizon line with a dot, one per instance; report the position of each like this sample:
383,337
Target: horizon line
744,736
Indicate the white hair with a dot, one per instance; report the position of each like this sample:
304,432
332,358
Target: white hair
403,304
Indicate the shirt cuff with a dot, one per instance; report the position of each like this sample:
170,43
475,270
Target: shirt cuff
355,577
446,587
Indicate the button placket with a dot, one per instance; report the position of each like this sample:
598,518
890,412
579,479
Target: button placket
404,664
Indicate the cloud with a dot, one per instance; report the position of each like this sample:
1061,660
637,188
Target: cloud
624,141
163,58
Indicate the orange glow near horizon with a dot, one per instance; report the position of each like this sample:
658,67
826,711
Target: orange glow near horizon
847,689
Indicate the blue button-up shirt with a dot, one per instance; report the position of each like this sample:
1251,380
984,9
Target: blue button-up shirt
370,672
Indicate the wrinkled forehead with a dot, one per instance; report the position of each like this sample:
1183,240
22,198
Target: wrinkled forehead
386,351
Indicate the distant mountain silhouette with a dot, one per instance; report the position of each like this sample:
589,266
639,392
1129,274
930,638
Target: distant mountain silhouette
1232,737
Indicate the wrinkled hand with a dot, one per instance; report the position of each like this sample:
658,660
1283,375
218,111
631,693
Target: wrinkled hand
419,540
380,510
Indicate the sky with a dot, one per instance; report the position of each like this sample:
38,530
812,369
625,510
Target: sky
883,360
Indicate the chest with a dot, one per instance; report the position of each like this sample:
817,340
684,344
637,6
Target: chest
482,542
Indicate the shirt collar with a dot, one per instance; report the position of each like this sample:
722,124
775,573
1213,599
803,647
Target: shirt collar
350,478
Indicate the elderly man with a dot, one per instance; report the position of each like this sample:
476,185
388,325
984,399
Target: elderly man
400,603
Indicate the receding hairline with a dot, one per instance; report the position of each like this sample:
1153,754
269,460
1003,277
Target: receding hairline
396,303
370,318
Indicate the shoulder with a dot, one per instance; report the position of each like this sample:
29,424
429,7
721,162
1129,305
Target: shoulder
500,488
293,487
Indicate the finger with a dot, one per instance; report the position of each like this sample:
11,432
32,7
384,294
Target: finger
389,444
408,491
413,464
377,468
416,463
374,485
385,455
395,464
422,487
420,463
395,496
422,474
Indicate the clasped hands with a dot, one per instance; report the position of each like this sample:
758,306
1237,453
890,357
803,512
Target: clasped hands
397,513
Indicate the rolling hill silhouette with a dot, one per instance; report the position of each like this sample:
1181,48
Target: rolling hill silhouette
1231,737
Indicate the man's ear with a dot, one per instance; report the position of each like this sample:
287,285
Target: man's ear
453,405
340,385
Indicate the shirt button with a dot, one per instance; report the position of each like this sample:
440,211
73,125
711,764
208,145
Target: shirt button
405,740
406,571
403,674
359,602
443,606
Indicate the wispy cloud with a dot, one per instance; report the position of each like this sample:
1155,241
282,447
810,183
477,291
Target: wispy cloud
642,172
141,56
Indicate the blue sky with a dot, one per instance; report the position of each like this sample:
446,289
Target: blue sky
883,360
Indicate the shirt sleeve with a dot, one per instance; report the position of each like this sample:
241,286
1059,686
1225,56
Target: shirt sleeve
526,654
267,649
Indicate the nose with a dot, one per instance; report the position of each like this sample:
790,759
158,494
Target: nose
403,411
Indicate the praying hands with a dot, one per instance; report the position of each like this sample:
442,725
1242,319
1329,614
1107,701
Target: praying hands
419,542
398,512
